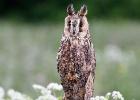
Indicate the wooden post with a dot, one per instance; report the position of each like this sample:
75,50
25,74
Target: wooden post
76,57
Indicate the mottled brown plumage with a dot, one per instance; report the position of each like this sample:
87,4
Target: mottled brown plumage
76,57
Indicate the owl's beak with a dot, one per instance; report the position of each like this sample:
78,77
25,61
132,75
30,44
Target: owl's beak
74,30
74,27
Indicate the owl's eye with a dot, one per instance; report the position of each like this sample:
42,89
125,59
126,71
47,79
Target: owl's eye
69,22
81,24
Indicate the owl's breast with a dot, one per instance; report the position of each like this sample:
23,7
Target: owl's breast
74,53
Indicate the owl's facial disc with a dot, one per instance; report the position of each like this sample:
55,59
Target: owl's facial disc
74,24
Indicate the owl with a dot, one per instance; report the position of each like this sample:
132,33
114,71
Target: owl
76,56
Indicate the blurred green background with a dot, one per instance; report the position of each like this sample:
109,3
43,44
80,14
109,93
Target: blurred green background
30,33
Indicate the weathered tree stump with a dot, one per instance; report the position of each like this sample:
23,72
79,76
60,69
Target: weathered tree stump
76,57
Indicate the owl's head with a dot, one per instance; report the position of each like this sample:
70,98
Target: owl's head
76,22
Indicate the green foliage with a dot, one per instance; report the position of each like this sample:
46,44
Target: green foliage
39,10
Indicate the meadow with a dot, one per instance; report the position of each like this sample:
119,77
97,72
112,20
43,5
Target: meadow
28,55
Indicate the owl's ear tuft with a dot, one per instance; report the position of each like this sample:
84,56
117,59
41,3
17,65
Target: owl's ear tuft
83,11
70,9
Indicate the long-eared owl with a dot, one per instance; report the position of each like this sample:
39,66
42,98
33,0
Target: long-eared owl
76,56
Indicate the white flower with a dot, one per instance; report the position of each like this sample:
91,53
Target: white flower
47,97
92,98
98,98
102,98
54,86
2,93
14,95
43,90
117,95
47,92
38,87
107,95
